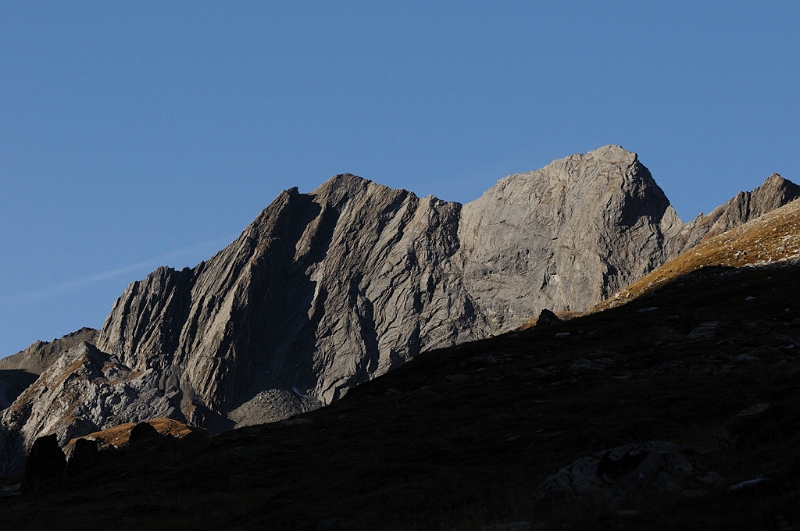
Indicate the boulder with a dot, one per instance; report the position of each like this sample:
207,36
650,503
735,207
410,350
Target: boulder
621,476
546,317
83,455
45,466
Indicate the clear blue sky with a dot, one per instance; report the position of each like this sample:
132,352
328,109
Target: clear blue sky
135,134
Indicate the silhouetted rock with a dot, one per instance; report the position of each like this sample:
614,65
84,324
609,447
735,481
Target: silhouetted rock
144,437
756,425
45,465
82,456
546,317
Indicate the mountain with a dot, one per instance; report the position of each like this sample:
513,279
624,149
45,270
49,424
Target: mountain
327,290
745,206
677,410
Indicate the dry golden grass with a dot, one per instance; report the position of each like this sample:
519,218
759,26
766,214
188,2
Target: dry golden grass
564,316
119,436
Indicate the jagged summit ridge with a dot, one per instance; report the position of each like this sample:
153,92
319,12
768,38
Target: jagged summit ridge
321,292
745,206
329,289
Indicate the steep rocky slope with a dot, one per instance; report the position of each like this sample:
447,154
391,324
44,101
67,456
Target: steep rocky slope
322,292
23,368
327,290
564,237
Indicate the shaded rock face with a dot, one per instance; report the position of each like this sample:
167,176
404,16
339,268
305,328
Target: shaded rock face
327,290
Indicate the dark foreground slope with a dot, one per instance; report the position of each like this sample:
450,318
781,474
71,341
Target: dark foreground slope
461,438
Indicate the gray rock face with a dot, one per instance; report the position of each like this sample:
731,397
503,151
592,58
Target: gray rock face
327,290
564,237
322,292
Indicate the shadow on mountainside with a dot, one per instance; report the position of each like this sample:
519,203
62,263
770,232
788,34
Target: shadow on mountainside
12,383
697,381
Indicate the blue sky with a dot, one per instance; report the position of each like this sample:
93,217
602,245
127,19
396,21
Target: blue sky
136,134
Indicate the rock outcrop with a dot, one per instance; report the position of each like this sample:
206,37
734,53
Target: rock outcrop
327,290
46,466
745,206
40,355
19,371
84,391
625,474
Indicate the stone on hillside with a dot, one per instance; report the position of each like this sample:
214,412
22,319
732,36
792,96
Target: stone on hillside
756,425
705,330
546,317
45,465
82,456
144,437
621,476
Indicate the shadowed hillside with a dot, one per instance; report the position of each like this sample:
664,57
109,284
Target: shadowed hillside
464,438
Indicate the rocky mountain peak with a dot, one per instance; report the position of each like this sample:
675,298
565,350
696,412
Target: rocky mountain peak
327,290
613,154
776,190
342,185
563,235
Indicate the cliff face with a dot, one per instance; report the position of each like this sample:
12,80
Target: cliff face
327,290
322,292
564,237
